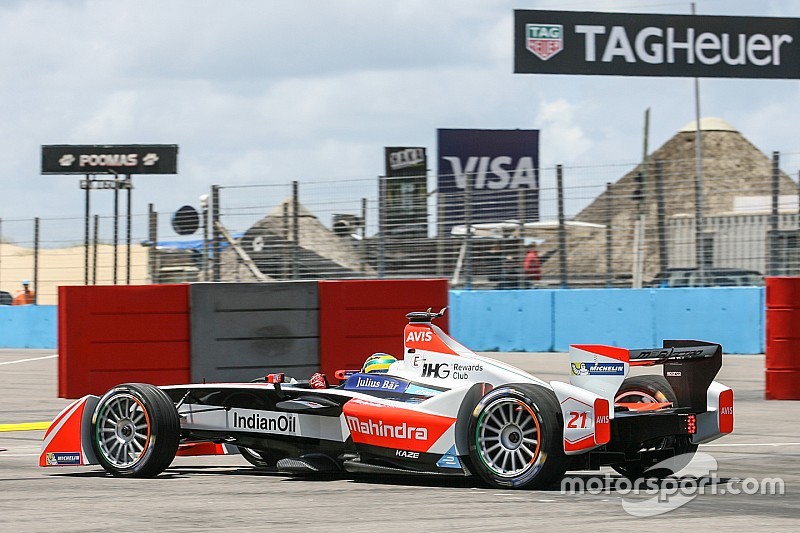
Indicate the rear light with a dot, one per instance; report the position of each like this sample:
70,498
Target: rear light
691,424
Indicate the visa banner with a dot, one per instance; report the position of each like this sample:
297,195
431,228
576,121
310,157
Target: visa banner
501,167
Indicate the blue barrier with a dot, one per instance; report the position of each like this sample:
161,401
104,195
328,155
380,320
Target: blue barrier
551,320
505,321
28,326
539,320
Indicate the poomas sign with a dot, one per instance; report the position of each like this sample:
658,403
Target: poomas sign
627,44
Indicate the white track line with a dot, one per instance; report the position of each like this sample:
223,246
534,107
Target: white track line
7,455
752,444
30,359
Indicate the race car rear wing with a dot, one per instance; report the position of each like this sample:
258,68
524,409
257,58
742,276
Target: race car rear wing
653,356
689,366
691,369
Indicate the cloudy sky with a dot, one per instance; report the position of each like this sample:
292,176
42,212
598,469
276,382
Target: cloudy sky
265,92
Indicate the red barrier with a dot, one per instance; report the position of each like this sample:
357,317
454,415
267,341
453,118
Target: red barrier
783,338
110,335
360,317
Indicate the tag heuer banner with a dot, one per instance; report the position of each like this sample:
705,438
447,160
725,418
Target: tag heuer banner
626,44
501,165
114,159
406,192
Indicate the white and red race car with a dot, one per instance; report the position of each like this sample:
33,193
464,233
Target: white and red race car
442,409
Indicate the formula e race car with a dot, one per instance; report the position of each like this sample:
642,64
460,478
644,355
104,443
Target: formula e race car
440,410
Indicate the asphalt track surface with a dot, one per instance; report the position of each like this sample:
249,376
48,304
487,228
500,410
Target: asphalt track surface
224,493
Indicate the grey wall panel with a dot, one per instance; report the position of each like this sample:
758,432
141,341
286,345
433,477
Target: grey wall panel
240,331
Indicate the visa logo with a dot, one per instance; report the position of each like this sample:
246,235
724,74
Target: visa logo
493,172
419,336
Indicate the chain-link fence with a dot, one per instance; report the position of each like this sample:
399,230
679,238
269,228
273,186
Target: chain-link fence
635,229
623,225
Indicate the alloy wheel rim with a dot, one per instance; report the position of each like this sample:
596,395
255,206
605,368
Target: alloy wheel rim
123,430
507,437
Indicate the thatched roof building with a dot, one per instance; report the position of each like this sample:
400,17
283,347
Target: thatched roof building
320,253
731,167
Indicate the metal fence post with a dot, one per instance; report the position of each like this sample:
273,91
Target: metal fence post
116,227
363,242
94,248
35,260
128,236
661,218
216,237
772,243
468,237
295,229
152,236
609,236
285,253
86,232
381,227
562,229
520,282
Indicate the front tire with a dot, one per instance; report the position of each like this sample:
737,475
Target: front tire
515,437
135,431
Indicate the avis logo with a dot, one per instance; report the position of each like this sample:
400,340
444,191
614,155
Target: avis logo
435,370
419,336
727,410
602,419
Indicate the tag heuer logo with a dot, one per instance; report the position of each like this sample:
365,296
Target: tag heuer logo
544,40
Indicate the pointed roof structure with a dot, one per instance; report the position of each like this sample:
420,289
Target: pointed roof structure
320,252
731,167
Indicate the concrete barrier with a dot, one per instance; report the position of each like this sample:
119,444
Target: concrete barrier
28,326
551,320
504,321
241,331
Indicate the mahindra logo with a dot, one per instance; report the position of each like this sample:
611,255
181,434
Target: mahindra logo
379,429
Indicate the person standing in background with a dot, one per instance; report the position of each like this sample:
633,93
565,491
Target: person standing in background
26,296
532,267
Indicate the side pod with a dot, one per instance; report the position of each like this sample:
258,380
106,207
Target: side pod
67,442
587,418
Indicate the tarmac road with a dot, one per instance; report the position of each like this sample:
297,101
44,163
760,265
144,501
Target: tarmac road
208,493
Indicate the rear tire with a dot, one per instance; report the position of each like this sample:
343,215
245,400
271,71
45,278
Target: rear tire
515,437
653,389
135,431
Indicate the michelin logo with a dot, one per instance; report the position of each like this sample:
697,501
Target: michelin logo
598,369
61,459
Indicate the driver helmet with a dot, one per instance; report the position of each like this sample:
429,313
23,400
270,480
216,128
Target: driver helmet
377,363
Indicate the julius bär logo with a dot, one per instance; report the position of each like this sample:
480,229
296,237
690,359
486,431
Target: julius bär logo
544,40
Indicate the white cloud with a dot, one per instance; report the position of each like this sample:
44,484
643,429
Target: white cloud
269,92
565,141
